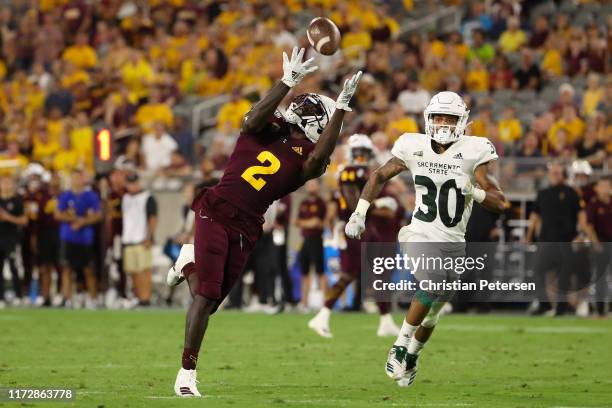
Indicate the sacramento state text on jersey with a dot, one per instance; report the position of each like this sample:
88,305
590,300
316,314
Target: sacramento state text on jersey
458,285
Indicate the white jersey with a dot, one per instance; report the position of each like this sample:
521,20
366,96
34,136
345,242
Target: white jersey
441,212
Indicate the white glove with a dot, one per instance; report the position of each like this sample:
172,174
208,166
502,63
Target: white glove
350,86
464,183
355,226
386,202
294,70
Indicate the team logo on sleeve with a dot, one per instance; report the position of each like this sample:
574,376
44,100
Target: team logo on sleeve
418,154
298,150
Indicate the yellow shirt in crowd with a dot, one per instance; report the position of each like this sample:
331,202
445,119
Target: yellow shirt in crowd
477,81
574,129
154,112
590,100
553,62
66,160
512,41
510,130
396,128
137,77
82,56
233,112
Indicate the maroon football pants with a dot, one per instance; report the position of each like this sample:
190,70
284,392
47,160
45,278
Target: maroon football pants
220,256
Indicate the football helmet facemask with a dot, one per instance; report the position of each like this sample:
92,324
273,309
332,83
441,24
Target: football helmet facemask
446,103
311,113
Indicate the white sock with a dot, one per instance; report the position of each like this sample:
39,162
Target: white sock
405,334
415,346
386,319
324,313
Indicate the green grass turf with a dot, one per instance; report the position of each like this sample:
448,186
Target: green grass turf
130,359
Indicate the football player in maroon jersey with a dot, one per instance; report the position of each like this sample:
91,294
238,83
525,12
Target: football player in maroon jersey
382,226
275,154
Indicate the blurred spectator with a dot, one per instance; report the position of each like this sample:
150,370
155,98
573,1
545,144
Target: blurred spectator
529,146
477,78
139,212
154,111
137,75
157,148
592,95
12,216
414,99
399,123
576,58
513,38
81,54
552,61
540,32
229,118
599,214
44,232
78,209
44,148
509,127
528,74
311,215
66,158
590,148
480,49
501,74
113,223
570,123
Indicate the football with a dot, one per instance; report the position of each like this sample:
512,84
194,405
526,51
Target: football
323,35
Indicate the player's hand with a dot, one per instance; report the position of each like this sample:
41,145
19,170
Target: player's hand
350,86
355,226
464,184
294,70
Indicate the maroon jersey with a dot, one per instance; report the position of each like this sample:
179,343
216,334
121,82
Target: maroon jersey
312,207
599,214
352,175
382,228
114,212
40,210
263,167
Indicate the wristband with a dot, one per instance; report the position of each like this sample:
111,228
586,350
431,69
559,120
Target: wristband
362,207
479,195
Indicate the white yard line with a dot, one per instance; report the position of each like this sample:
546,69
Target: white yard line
538,329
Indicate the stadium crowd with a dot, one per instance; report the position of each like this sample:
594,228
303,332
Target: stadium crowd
535,75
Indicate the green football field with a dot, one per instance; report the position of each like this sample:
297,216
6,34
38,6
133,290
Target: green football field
130,359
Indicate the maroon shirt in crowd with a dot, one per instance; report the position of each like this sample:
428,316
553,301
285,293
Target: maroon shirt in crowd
312,207
599,214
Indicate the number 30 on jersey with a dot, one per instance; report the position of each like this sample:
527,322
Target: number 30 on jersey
251,173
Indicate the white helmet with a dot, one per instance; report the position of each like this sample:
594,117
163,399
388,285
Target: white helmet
446,103
581,167
359,141
310,112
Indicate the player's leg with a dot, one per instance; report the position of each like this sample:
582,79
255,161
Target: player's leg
350,266
305,270
211,254
417,342
418,310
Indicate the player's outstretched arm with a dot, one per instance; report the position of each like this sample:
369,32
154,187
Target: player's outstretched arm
494,199
318,159
294,70
356,224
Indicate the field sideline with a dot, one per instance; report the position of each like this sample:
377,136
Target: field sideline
130,359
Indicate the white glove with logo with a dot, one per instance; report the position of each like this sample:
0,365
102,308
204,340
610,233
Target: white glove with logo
355,226
350,86
464,184
294,70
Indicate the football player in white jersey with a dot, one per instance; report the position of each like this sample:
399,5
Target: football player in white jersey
450,171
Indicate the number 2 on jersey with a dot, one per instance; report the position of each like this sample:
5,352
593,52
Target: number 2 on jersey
250,173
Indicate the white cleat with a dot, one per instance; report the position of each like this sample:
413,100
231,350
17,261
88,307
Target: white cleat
186,384
396,362
408,378
387,327
320,323
175,274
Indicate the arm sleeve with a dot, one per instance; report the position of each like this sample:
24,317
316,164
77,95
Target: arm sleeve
486,152
151,207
